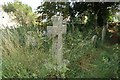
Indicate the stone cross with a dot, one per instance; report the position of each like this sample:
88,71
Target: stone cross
56,32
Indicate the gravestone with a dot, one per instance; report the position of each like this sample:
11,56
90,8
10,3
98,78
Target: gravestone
55,32
30,39
103,34
94,41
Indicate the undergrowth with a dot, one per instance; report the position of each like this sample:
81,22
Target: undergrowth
22,61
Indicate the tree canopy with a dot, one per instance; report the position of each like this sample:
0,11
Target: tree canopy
23,12
100,11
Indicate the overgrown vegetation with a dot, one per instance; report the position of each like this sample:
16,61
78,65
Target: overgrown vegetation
85,61
26,50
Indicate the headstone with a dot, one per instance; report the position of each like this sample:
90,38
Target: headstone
103,34
56,31
30,39
94,41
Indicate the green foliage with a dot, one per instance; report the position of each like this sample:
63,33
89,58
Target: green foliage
89,62
84,60
81,59
49,9
101,11
19,60
97,13
0,67
22,12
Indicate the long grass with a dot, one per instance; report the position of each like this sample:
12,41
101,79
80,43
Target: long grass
19,59
22,61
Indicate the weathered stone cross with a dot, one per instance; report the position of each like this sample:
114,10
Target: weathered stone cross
56,32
